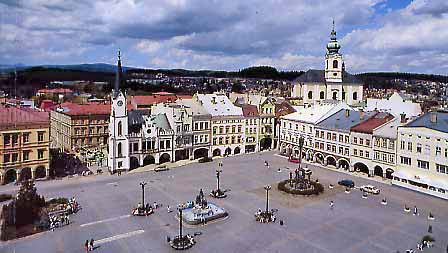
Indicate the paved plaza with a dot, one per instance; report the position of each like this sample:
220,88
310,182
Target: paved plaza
354,225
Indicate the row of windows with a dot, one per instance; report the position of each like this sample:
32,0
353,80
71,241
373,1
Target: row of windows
384,157
180,128
267,110
310,129
228,121
405,160
99,130
92,122
335,95
227,140
203,138
332,136
361,141
294,139
442,168
427,149
201,126
14,157
13,139
361,153
384,143
228,129
332,148
90,141
426,137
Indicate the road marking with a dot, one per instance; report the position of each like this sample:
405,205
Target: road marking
120,236
106,220
113,183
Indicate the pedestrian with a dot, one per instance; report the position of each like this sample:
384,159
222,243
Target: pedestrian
86,245
91,244
168,208
281,222
168,239
331,205
155,205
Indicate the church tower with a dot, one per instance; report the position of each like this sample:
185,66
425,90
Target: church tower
118,156
334,66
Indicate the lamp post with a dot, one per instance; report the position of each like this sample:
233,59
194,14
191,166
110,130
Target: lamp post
218,172
267,188
301,140
143,192
180,225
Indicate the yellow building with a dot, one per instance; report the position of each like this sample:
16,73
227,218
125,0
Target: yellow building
24,144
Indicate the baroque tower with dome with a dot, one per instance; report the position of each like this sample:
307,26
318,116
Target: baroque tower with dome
333,83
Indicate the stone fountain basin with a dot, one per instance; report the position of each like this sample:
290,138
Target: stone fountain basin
192,215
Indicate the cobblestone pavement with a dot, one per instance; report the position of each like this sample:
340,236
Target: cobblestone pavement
354,225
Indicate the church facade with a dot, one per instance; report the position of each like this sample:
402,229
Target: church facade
332,83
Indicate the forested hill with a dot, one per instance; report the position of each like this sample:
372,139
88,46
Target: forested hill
386,79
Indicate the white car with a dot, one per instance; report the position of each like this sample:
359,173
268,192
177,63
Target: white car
370,189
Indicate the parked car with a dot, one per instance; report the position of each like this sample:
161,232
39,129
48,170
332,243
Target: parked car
161,168
293,160
347,183
370,189
205,160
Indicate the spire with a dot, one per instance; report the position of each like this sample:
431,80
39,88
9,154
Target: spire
118,76
333,45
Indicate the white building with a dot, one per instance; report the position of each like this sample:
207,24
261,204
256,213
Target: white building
333,83
227,123
396,105
301,124
422,155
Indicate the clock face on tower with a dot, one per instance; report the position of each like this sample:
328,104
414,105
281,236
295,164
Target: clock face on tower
120,103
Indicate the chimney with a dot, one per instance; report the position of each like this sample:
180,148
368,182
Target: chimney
361,114
433,117
403,118
347,113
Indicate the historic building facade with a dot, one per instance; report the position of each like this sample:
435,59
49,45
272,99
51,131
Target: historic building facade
24,144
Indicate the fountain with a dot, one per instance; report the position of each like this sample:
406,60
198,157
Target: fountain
301,183
201,211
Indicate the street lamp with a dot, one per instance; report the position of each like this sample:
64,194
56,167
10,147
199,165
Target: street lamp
218,172
143,192
180,226
267,188
301,140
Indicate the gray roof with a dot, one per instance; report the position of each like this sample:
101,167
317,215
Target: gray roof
161,121
441,123
340,121
318,76
135,117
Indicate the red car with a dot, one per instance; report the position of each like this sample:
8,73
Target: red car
294,160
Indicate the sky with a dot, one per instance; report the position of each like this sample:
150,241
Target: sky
375,35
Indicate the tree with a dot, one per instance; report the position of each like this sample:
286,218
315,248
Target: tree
237,87
28,204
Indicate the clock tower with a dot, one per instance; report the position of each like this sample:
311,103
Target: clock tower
118,155
334,65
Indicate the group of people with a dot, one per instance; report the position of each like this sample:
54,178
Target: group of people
72,206
265,218
89,245
143,209
59,221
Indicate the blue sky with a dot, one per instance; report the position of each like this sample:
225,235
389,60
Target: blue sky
376,35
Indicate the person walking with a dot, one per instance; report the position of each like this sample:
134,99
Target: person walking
91,244
331,205
86,245
168,208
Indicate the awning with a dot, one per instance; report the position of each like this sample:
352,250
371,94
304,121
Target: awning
421,179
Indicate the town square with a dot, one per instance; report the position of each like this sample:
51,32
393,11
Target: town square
354,224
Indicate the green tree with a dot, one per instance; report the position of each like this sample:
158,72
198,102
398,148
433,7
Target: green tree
28,204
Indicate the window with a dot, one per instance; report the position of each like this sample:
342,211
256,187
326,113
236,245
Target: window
377,142
391,144
355,95
328,136
26,137
335,64
355,152
310,95
423,164
333,137
40,154
120,128
119,151
335,95
438,151
215,129
361,141
343,95
361,152
135,148
367,142
168,144
405,160
419,148
317,133
26,155
15,139
442,168
239,129
6,158
409,146
341,138
384,143
346,139
355,140
15,157
402,145
446,152
322,95
427,150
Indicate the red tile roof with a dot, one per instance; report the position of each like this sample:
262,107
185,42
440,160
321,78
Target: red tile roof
85,109
250,110
47,105
11,116
372,123
157,98
59,90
